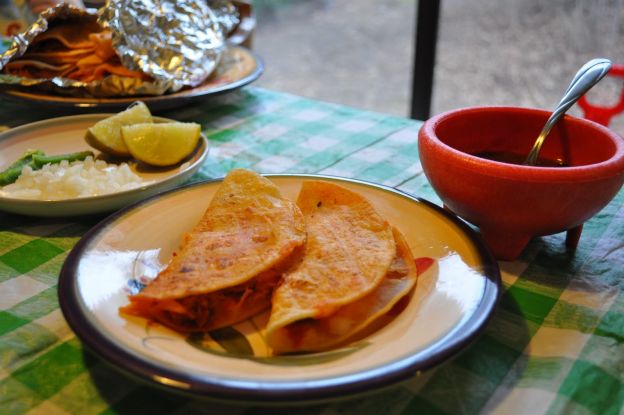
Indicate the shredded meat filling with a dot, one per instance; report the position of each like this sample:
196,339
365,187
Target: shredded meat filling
197,312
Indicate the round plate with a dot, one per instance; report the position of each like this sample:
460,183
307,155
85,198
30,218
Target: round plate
451,304
238,67
66,135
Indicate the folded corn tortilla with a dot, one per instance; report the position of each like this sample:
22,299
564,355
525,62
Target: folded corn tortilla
230,262
72,34
355,268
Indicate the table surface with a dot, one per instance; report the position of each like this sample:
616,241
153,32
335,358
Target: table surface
554,345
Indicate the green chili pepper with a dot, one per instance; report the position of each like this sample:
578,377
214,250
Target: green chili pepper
11,173
36,159
41,160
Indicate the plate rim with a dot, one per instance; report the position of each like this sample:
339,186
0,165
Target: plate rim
278,391
103,198
155,103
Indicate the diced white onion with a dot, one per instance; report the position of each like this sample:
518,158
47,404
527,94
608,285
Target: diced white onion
70,180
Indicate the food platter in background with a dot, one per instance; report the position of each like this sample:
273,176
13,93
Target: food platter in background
238,67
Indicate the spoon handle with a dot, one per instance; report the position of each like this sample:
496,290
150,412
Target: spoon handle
586,77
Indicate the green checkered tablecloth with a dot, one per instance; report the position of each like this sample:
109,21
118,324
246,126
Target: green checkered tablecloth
554,345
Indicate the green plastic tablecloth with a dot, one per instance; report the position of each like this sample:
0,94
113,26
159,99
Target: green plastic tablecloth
554,345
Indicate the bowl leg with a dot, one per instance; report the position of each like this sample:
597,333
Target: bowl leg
572,236
504,246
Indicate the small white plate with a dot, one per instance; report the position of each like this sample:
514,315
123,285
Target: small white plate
66,135
450,306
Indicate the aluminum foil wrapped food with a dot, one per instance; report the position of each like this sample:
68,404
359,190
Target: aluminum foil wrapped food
129,47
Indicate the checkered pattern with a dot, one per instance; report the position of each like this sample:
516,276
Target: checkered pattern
555,344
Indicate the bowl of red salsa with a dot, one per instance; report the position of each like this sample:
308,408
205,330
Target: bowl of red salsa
473,158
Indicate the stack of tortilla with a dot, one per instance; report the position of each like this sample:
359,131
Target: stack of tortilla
78,50
328,266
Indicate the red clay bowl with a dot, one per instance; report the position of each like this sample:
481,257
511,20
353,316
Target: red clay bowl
513,203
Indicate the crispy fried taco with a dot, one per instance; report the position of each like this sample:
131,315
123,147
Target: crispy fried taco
355,268
229,263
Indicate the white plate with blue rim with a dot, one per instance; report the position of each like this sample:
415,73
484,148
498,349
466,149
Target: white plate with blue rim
457,289
64,135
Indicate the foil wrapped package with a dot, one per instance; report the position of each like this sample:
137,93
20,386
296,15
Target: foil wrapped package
157,47
225,13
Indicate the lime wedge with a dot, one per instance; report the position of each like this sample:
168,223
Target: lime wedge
105,135
161,144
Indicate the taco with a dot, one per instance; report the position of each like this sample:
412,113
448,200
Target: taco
355,268
229,263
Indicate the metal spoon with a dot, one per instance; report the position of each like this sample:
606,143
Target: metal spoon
586,77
